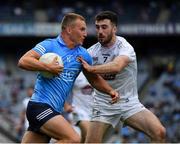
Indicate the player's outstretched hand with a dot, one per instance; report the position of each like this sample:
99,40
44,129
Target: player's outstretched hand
115,96
85,64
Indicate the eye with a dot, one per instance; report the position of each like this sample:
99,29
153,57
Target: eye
97,27
104,26
83,29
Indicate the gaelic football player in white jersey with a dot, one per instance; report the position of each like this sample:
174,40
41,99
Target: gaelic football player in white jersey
82,101
114,58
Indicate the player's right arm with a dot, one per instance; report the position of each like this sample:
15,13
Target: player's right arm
30,61
115,66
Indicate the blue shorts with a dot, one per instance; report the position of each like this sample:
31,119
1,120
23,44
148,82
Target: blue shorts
37,114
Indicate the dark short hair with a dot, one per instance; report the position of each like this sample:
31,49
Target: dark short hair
107,15
69,19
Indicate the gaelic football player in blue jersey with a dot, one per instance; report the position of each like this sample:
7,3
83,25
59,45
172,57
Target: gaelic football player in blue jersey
46,104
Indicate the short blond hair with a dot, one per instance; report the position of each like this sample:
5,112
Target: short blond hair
69,19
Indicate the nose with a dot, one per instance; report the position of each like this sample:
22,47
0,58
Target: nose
100,30
85,34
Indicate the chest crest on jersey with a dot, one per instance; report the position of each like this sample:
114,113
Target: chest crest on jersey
69,58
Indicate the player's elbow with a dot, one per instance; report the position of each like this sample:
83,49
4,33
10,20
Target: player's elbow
20,63
117,67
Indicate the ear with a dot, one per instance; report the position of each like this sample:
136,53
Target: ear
68,30
115,28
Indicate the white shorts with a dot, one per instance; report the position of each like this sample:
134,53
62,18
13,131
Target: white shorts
80,114
120,111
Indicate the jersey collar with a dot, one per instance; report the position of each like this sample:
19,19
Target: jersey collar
60,40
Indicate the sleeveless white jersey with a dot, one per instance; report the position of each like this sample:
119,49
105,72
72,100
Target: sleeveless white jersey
125,82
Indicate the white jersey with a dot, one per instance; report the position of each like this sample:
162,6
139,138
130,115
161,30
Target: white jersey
125,82
25,103
82,99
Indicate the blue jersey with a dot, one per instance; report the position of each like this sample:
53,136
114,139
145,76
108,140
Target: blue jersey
54,91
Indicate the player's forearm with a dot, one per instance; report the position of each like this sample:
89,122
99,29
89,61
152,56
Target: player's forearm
101,85
111,67
32,64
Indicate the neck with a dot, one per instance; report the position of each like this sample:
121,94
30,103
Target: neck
67,40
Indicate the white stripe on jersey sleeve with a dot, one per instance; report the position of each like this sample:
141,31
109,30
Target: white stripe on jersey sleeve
40,48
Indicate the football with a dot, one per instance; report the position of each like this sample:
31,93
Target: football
48,58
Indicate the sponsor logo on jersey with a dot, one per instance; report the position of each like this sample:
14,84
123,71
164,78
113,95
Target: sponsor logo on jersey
69,74
109,76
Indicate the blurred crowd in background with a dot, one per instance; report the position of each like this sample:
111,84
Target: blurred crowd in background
158,77
129,11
